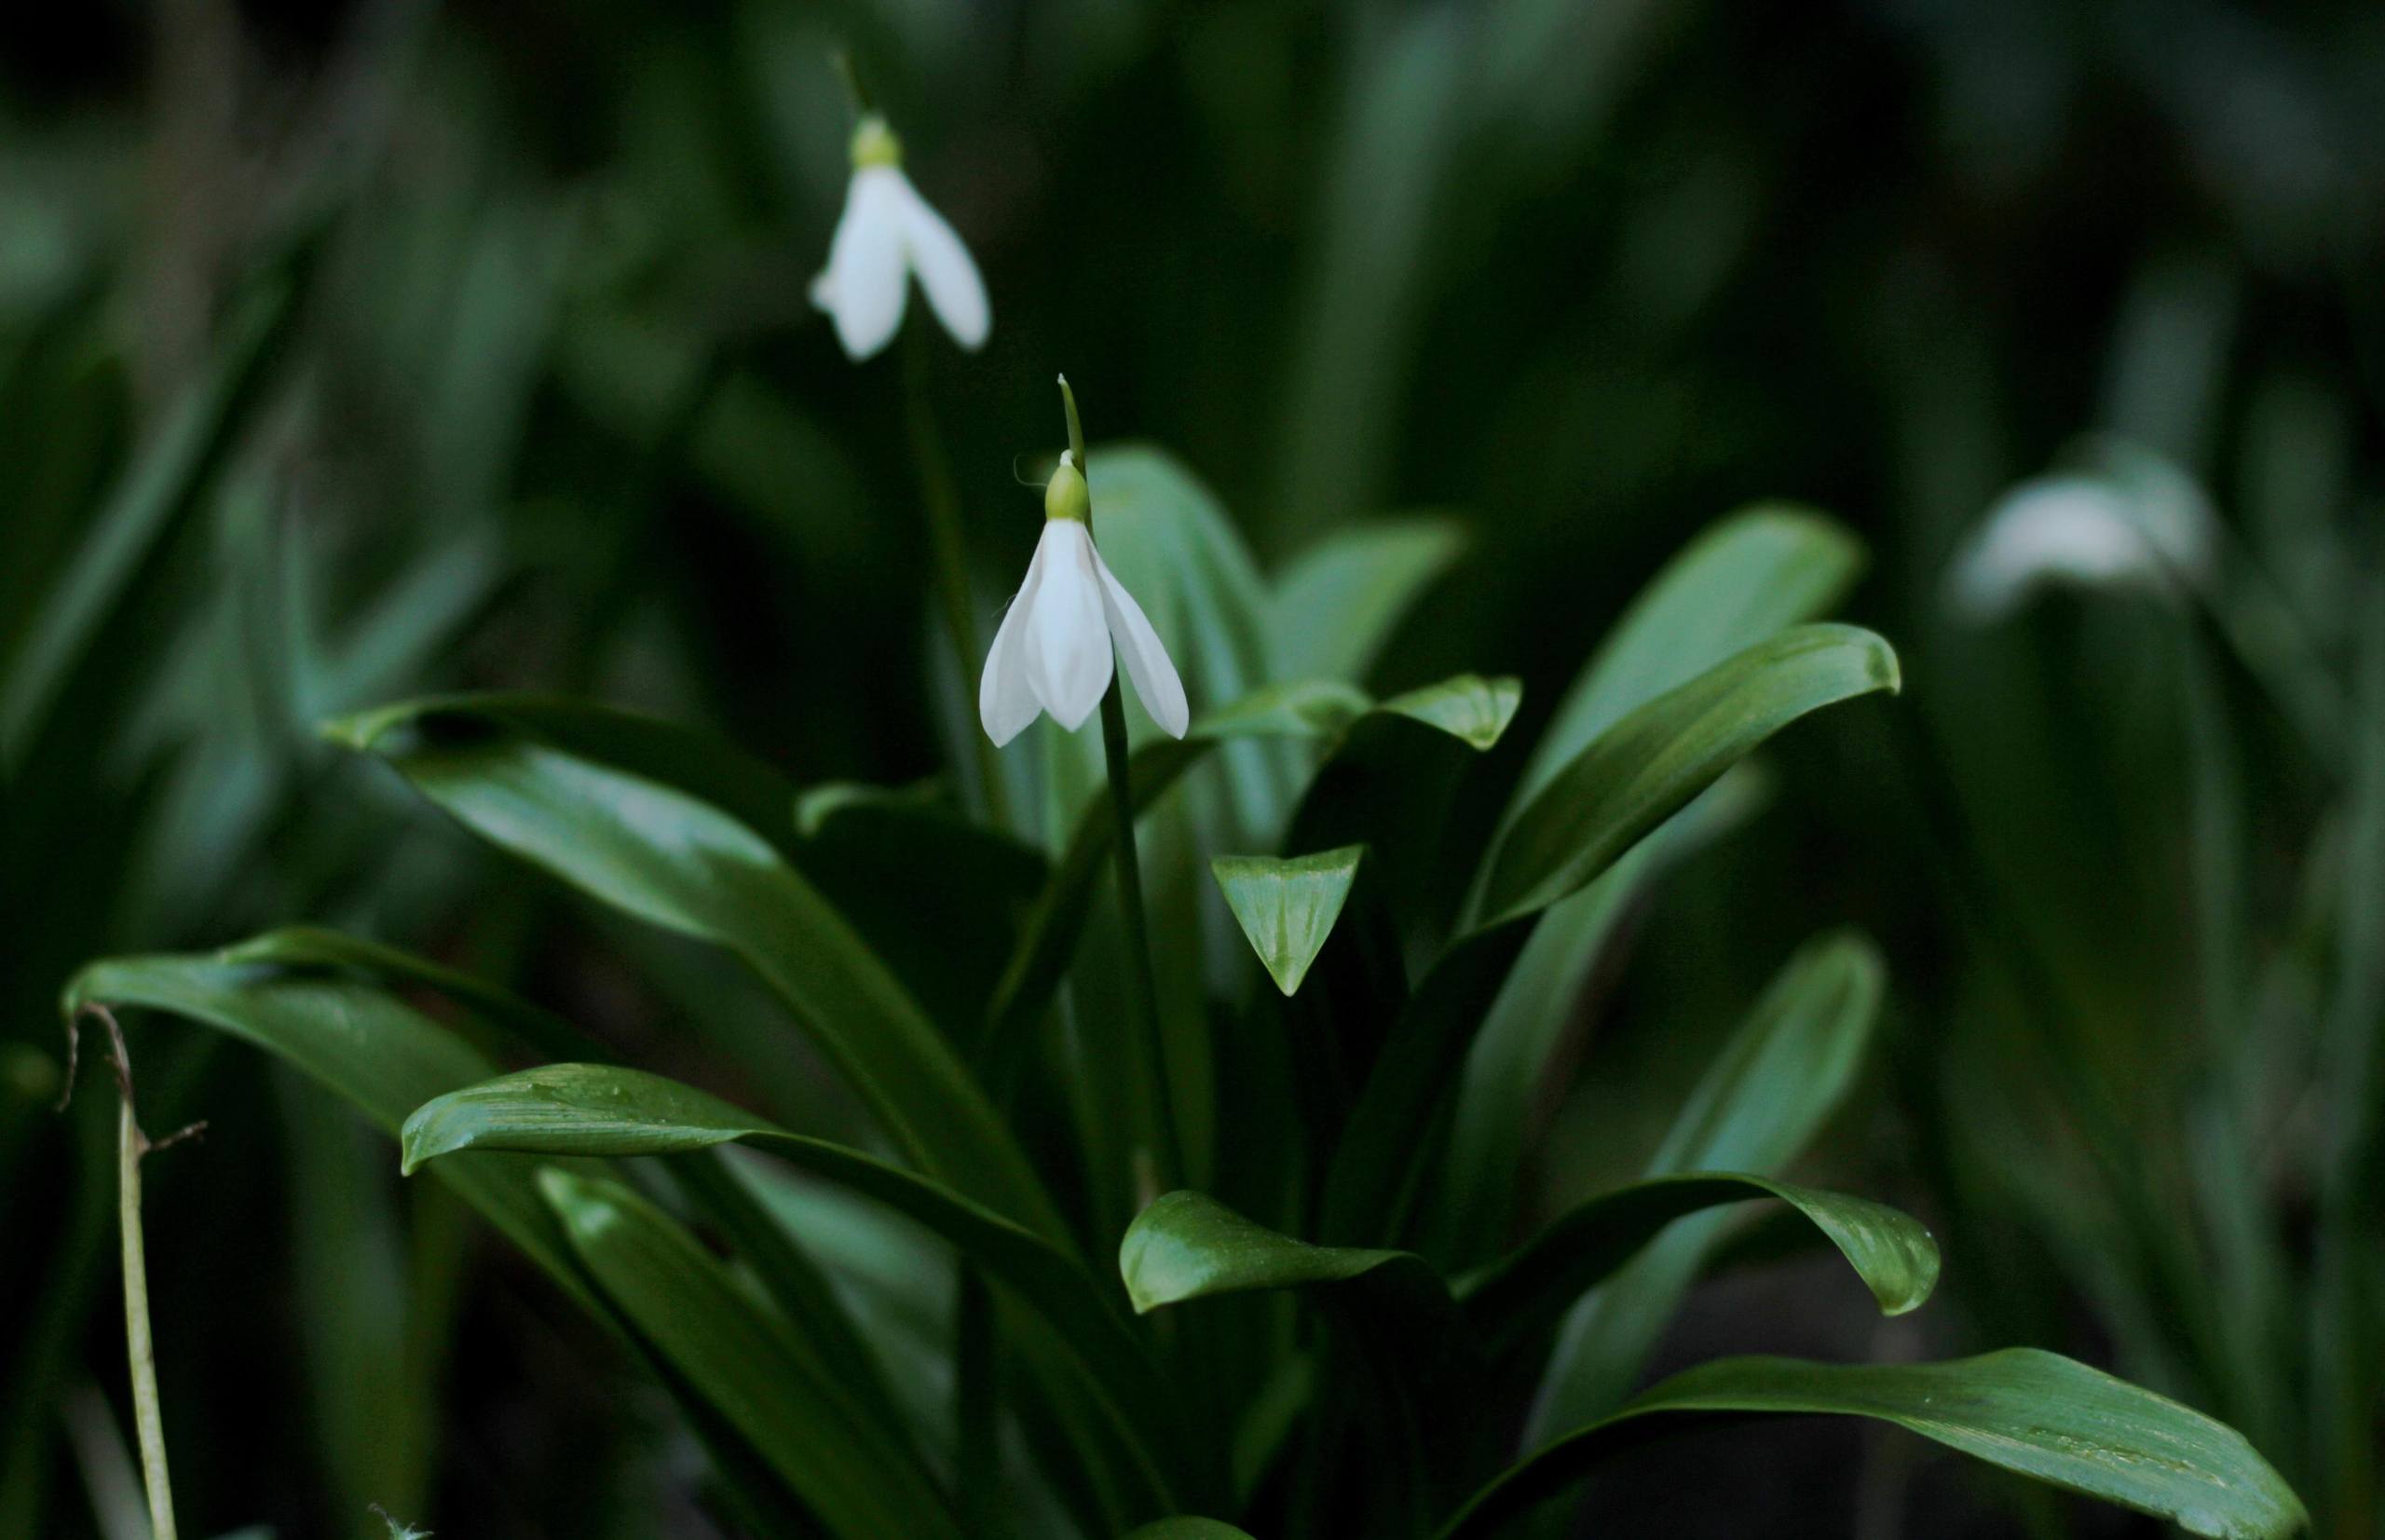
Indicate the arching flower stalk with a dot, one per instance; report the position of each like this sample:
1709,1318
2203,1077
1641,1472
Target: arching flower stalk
1053,654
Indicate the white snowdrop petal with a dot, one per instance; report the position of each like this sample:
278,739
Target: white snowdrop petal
945,269
864,287
1005,702
1068,637
2058,529
1148,666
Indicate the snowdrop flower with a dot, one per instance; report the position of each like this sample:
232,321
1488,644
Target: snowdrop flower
886,234
1052,650
2088,531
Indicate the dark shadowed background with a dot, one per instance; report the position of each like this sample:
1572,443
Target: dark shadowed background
350,351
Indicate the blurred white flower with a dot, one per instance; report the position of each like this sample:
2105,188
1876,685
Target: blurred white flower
2087,530
1052,650
886,234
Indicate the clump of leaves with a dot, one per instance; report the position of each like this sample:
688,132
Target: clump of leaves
1324,1328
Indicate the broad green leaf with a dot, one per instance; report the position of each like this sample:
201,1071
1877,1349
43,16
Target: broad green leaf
1518,1048
1636,775
1187,1246
374,1052
1650,762
1511,1303
309,947
2036,1413
1336,602
1466,706
679,863
386,1058
1287,905
1783,1072
745,1362
1182,1528
589,1110
1755,573
1744,579
705,766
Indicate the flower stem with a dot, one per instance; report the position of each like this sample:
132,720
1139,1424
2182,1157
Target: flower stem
949,552
140,1354
1143,988
145,1414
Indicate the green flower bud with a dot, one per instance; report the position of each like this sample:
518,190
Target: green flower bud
1065,495
875,144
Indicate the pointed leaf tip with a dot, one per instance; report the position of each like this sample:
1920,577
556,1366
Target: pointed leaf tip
1467,706
1287,906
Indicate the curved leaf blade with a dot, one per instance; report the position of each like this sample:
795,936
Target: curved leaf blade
679,863
1468,707
1756,572
2033,1412
600,1109
376,1053
1513,1302
1784,1071
1287,905
1187,1246
1649,764
1743,579
379,1055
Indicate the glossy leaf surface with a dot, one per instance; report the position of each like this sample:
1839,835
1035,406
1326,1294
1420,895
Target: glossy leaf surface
1650,762
2033,1412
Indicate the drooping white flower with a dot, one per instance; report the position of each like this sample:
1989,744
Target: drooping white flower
2089,530
1052,650
886,234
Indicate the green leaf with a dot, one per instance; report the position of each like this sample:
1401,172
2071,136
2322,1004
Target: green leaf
376,1053
1754,573
1466,706
679,863
311,946
1287,905
1337,602
745,1362
1513,1302
386,1058
1187,1246
1519,1047
2037,1413
1649,764
1185,1528
592,1109
1783,1072
1634,777
703,765
1745,578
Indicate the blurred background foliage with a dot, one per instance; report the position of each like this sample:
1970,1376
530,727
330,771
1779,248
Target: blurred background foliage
356,350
